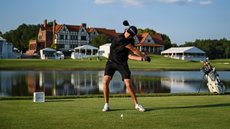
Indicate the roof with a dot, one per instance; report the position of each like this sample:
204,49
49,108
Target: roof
111,33
183,50
2,39
156,38
86,47
154,45
48,49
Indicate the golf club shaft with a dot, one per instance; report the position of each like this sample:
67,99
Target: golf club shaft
141,46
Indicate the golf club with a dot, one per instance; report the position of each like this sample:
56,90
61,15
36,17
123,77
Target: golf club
126,23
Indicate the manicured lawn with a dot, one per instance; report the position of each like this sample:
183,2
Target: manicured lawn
157,63
179,112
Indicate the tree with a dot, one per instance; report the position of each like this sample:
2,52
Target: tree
55,46
174,45
139,30
0,33
226,45
99,40
166,40
21,36
147,30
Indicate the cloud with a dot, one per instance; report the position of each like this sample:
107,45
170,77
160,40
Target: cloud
141,3
124,3
104,1
205,2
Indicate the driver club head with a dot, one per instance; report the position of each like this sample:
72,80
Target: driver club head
126,23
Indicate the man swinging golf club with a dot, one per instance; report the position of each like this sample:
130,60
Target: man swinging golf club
122,49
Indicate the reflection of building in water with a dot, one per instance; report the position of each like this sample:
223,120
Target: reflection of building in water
36,83
142,84
116,84
62,83
6,81
149,84
179,85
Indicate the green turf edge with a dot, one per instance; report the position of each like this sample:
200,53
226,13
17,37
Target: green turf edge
111,95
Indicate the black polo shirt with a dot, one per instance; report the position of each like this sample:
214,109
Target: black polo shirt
118,51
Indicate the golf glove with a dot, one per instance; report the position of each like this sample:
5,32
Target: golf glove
147,58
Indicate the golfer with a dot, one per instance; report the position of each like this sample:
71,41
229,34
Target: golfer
122,49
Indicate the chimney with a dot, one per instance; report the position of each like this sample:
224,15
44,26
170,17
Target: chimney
83,24
45,22
54,25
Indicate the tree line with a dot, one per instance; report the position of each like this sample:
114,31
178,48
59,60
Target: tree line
21,36
214,49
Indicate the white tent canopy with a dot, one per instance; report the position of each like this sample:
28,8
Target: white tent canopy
184,53
183,50
48,53
86,49
2,39
49,49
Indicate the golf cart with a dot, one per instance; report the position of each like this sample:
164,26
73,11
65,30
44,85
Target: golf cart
214,84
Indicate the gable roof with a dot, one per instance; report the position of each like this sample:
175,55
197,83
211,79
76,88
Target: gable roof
183,50
111,33
156,38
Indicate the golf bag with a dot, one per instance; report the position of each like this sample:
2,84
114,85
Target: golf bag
214,84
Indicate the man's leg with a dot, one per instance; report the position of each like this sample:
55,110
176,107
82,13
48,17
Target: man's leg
107,79
131,90
133,95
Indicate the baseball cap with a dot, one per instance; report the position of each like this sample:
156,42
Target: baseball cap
132,31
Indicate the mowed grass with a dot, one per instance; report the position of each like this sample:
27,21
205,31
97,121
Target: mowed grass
158,63
174,112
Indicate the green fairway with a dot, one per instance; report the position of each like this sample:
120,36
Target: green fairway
185,112
158,63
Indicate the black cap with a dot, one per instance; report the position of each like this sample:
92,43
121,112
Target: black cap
132,31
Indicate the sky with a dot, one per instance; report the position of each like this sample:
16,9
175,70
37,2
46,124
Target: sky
182,20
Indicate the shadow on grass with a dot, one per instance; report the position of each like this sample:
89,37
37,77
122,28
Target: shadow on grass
198,106
58,100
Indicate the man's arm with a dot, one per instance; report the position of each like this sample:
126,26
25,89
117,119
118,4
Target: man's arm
139,56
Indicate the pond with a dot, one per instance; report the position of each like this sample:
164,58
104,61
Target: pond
58,83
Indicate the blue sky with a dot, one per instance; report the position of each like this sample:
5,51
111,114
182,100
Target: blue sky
182,20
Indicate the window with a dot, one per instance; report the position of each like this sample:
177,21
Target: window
149,40
82,30
61,36
63,29
49,37
66,36
62,45
83,37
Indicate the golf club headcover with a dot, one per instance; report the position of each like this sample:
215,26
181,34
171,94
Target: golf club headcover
147,58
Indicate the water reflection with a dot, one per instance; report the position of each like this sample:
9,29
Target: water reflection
55,83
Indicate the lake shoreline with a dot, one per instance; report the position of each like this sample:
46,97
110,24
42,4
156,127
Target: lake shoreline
94,69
